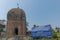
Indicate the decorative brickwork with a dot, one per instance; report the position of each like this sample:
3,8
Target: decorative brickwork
16,22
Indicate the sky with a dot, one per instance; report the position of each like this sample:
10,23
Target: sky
39,12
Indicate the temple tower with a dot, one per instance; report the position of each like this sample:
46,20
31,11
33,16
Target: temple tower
16,22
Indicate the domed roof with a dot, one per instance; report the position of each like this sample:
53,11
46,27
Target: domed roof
15,11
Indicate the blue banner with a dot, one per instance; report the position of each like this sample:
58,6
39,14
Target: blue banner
42,32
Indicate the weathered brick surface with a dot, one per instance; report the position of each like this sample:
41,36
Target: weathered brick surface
16,19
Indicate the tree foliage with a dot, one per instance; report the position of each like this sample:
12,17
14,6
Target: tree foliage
54,34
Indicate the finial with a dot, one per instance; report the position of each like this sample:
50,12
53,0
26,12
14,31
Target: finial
17,4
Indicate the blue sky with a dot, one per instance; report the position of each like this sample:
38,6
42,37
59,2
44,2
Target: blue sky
39,12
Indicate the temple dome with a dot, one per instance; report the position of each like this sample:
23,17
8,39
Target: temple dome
15,11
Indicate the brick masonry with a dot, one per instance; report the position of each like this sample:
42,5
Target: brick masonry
16,19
